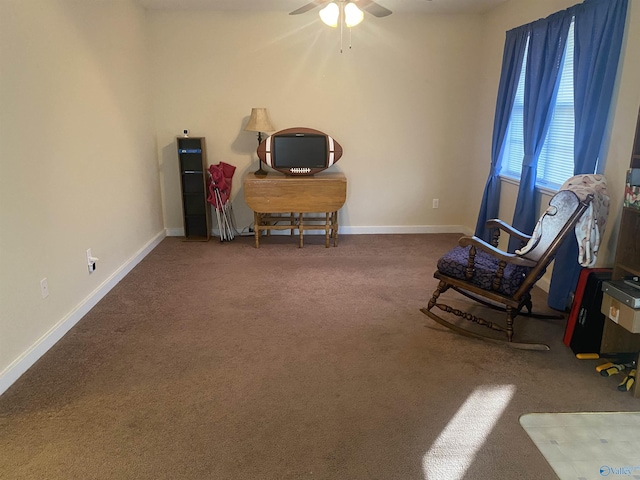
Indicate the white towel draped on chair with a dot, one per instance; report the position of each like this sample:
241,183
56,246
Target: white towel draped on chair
589,228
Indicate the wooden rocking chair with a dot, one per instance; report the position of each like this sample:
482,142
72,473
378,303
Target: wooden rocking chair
501,280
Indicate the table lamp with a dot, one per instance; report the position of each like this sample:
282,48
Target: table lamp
259,122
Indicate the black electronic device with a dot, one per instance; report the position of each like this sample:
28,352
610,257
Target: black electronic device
633,281
299,151
587,332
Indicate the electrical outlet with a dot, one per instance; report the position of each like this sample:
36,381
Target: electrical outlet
91,261
44,287
436,203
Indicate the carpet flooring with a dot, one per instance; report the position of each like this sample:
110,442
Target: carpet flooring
223,361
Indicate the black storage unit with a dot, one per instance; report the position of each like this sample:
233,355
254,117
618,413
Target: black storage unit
192,159
589,324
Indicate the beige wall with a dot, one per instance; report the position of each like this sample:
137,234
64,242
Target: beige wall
77,158
401,102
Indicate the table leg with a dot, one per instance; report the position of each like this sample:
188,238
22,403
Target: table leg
301,227
334,226
327,228
256,228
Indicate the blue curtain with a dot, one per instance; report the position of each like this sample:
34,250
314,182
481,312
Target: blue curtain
599,30
547,41
512,57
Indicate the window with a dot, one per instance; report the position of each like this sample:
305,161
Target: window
555,164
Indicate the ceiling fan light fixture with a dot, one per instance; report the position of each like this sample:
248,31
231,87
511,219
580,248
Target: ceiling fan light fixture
330,14
352,15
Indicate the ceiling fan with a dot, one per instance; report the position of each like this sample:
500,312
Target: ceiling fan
345,13
368,6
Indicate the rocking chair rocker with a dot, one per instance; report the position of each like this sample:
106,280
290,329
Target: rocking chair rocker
501,280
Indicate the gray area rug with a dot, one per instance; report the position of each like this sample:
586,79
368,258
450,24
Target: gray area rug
587,446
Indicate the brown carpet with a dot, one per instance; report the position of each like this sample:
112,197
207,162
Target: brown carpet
222,361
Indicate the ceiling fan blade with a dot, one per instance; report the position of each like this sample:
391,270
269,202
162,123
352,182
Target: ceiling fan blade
309,6
373,8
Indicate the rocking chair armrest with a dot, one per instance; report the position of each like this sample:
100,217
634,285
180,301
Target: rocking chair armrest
496,252
497,223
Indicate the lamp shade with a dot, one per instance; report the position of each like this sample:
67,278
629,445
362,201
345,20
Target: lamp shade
259,121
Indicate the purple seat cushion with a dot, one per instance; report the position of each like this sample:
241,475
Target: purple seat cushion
454,264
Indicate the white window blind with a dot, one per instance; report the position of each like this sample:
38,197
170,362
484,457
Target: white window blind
555,164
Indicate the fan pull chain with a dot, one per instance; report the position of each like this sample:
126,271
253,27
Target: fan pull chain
341,19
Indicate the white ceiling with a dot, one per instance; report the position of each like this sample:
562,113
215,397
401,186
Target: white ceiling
399,6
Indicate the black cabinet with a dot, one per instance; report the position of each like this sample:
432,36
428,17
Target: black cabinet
196,216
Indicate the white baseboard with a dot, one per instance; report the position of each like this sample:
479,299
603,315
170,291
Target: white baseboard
406,229
371,230
174,232
49,339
